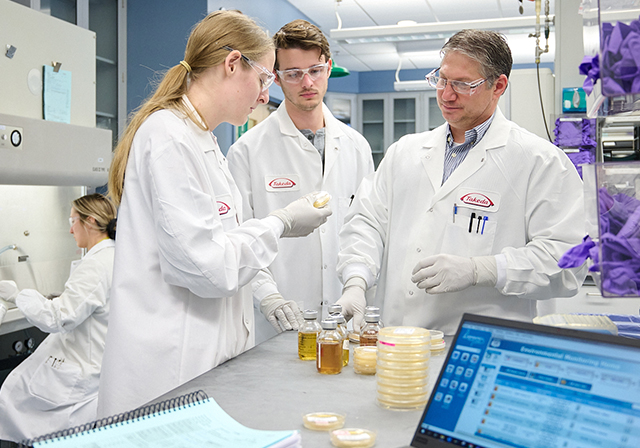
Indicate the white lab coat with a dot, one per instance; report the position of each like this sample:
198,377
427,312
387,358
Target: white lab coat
305,268
403,214
178,303
57,386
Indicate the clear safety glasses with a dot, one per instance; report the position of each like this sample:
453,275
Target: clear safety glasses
73,220
460,87
295,75
266,76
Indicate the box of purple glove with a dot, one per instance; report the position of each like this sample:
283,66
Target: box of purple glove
617,258
619,57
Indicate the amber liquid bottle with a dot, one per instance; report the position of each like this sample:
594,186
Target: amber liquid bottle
369,332
329,349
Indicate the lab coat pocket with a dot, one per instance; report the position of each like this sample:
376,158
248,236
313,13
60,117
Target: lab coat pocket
342,210
470,236
56,383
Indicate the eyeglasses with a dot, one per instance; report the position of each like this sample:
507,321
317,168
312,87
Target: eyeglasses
73,220
266,76
295,75
460,87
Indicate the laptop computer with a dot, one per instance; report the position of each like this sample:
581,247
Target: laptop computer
515,384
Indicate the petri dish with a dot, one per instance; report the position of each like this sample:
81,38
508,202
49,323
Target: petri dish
404,357
391,381
353,438
396,365
400,404
404,392
402,374
323,421
404,335
321,199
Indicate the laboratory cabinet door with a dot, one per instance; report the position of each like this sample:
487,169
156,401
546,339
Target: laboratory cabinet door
386,117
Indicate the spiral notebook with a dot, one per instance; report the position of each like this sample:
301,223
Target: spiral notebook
190,420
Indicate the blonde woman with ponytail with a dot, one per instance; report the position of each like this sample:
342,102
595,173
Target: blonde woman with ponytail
180,305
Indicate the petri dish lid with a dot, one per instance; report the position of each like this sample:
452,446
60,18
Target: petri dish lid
436,335
400,392
404,335
409,375
399,365
403,348
404,357
390,381
323,421
353,438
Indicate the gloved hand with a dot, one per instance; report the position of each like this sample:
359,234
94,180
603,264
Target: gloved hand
281,313
8,291
450,273
300,217
4,306
353,301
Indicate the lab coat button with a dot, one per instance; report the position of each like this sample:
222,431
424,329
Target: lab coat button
430,210
418,249
324,267
410,293
322,230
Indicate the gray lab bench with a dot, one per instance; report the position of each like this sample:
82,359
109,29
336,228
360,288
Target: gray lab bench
268,387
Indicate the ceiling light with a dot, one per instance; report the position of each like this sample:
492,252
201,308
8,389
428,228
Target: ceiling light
422,31
401,86
407,22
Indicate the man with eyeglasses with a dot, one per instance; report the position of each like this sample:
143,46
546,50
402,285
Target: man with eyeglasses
299,148
470,217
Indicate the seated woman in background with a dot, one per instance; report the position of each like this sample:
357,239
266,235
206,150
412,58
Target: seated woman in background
57,386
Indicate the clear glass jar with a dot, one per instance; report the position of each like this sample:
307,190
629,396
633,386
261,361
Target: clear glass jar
329,349
308,335
342,328
369,331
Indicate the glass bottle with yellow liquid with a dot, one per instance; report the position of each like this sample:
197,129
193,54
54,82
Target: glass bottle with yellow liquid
342,328
308,335
329,349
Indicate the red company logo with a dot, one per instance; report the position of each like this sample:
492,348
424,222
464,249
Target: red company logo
223,208
282,182
477,199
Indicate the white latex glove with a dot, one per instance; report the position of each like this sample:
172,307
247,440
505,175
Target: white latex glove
281,313
8,291
353,301
4,306
300,217
443,273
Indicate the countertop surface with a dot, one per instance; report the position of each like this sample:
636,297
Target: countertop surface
269,388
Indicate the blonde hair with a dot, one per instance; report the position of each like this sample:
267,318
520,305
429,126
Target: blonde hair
100,208
204,50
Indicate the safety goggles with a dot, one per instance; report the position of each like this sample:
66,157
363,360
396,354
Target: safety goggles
73,220
266,76
295,75
460,87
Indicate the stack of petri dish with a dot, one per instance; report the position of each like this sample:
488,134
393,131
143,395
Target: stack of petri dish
402,368
437,343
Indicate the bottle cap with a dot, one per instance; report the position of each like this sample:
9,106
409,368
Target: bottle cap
339,318
370,309
335,309
310,314
329,324
371,317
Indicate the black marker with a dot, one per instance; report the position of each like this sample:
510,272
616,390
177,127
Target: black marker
473,216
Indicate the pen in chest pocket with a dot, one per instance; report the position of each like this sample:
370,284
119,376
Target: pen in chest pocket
473,216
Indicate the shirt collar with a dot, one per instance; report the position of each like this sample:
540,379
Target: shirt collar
472,136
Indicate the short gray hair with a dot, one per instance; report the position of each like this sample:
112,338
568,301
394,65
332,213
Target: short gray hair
488,48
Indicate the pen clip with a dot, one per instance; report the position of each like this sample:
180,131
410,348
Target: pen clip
473,216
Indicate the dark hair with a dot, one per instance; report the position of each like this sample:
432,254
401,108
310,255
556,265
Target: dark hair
101,209
302,35
488,48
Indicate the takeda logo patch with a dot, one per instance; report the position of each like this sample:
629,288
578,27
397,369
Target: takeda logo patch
477,199
282,182
223,208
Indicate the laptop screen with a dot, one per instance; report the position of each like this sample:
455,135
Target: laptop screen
515,384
